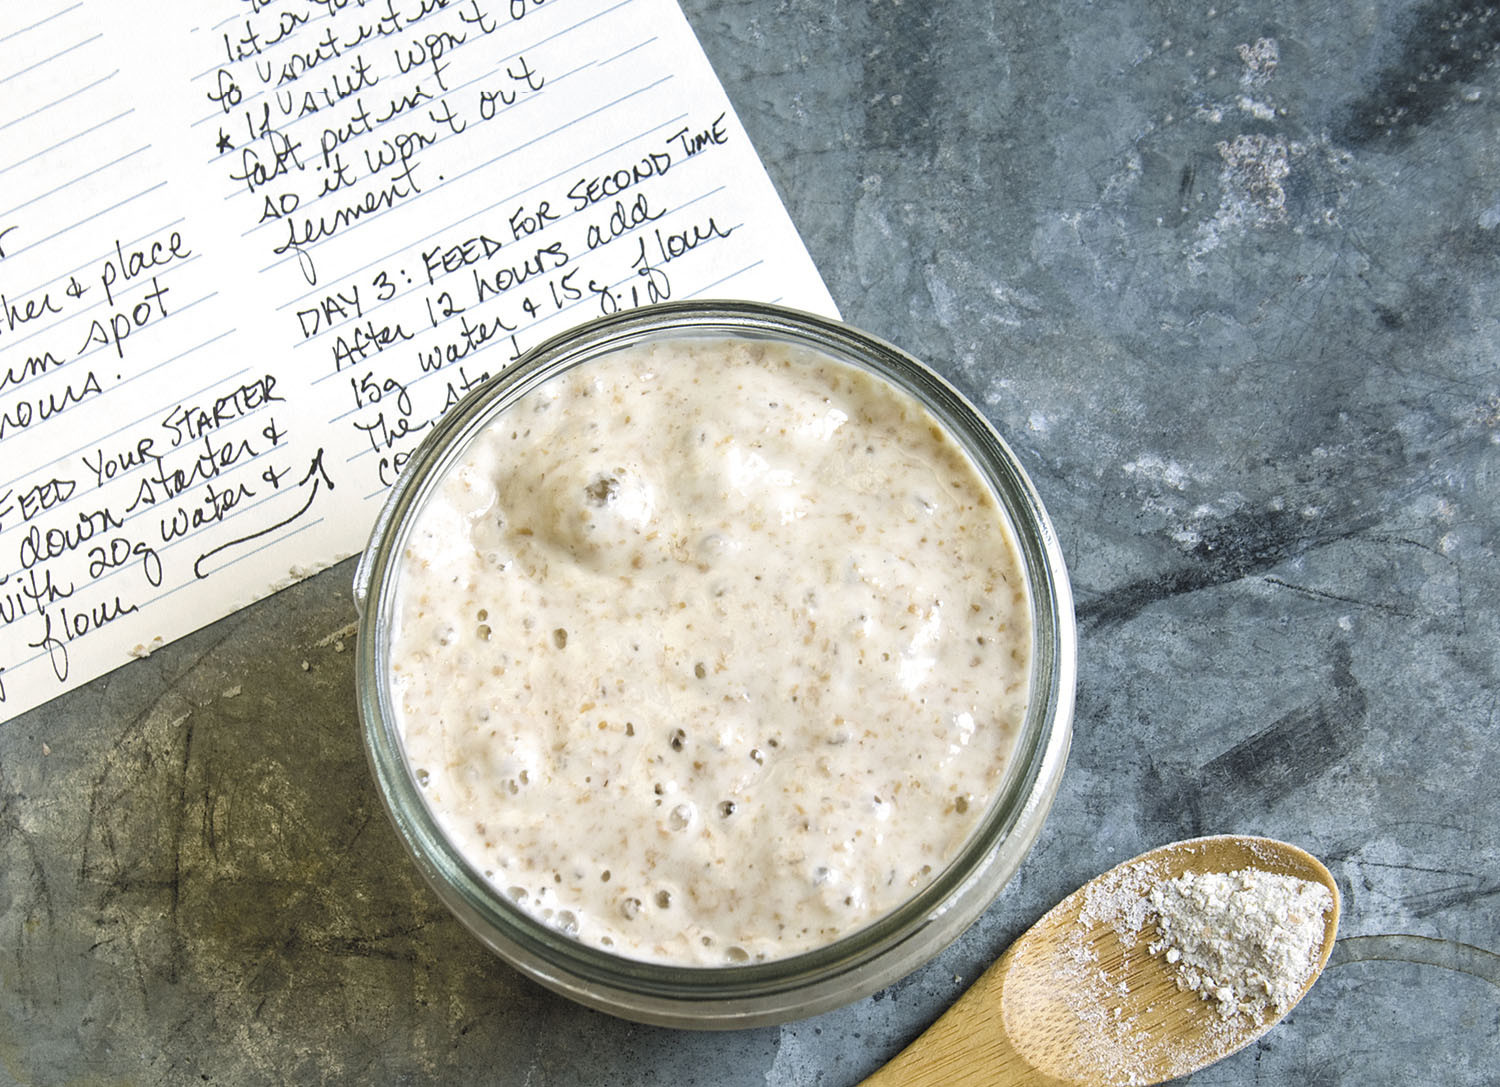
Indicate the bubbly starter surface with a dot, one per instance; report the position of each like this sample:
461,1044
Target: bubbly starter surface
710,651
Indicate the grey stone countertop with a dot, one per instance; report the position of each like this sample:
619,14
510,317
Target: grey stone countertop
1228,279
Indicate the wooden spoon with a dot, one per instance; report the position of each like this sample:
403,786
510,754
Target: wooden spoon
1078,999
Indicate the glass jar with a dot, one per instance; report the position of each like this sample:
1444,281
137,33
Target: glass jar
857,964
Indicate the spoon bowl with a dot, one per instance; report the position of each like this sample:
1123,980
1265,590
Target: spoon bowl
1080,1000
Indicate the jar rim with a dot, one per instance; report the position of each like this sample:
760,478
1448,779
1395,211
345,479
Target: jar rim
802,982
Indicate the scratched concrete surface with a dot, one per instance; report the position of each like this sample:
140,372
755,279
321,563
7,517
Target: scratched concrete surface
1228,277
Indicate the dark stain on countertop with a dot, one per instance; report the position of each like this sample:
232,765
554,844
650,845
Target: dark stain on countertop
1267,766
1443,47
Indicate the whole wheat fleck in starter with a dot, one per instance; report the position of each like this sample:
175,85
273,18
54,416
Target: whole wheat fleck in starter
711,651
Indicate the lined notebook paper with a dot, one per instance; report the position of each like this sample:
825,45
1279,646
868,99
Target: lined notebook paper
250,250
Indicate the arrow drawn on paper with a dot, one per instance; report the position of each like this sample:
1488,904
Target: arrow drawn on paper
316,474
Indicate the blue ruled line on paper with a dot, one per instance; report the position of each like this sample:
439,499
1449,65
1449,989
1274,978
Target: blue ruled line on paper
64,142
60,100
40,22
48,60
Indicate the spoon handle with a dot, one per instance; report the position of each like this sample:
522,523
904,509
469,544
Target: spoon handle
968,1044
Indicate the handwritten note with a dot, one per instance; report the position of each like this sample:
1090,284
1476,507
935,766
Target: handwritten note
250,250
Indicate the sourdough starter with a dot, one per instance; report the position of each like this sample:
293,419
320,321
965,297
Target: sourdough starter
710,651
